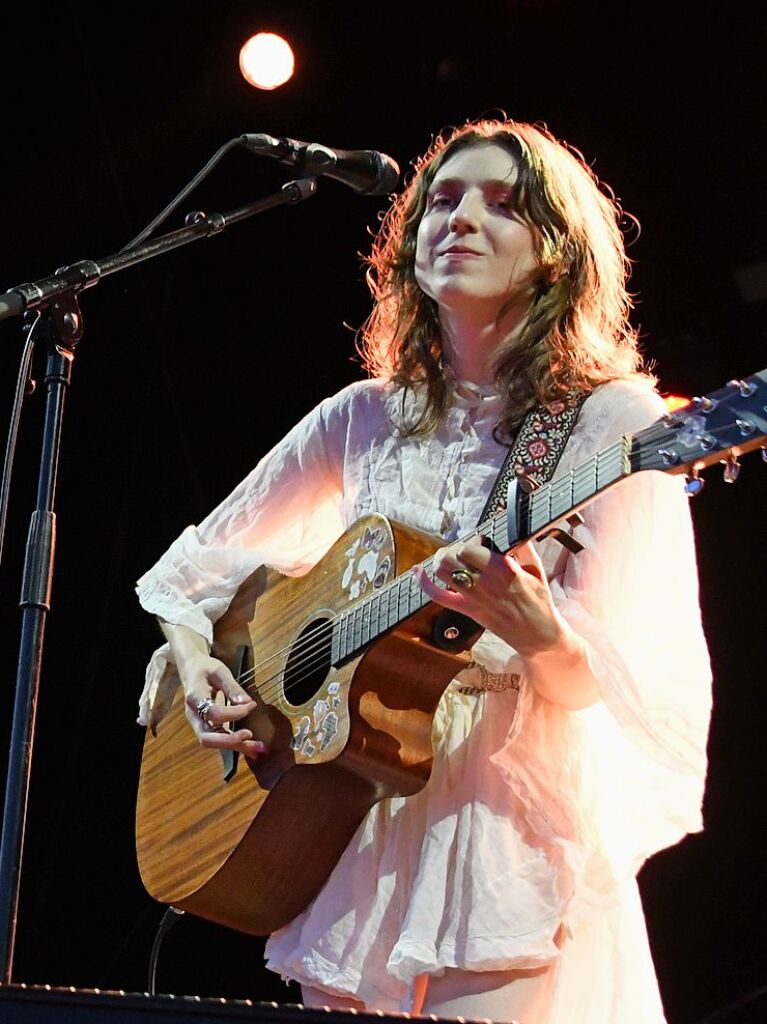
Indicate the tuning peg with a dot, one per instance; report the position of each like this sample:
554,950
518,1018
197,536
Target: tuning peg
672,419
764,453
707,442
669,456
746,389
731,469
703,403
694,484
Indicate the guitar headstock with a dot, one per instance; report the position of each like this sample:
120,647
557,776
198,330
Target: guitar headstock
719,427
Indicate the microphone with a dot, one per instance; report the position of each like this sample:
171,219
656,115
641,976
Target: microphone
366,171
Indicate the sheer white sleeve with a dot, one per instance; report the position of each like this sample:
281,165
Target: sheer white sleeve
285,514
614,783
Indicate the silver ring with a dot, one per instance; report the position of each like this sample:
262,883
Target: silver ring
202,707
462,578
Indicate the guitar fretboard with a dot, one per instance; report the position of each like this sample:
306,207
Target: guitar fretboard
539,511
557,500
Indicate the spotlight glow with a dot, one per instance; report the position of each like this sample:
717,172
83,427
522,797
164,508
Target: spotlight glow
674,402
266,61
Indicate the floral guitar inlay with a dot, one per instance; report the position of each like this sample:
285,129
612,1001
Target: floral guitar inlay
316,732
365,566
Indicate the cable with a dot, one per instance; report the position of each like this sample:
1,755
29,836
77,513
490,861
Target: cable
200,176
24,383
169,918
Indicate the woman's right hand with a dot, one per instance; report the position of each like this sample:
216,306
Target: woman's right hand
206,679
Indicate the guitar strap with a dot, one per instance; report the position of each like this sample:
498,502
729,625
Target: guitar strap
537,448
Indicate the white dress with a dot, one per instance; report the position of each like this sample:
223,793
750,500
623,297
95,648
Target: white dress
523,848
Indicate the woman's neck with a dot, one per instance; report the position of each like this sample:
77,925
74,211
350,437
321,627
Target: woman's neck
471,344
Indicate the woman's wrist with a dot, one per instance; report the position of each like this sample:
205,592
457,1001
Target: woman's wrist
562,671
186,645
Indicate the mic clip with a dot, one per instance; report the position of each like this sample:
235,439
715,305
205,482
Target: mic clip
287,151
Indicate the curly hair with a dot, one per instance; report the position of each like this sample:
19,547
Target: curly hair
576,334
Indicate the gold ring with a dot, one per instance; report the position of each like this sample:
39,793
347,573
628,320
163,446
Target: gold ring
462,578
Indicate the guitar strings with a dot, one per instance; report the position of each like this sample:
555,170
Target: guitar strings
316,642
486,528
313,649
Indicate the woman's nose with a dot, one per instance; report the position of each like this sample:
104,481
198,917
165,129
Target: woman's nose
465,215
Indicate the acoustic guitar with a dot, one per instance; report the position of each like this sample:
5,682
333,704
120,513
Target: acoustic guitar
346,665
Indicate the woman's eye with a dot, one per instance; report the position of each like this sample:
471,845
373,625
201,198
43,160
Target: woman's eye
440,200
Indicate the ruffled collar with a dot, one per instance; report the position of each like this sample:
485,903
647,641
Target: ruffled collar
469,392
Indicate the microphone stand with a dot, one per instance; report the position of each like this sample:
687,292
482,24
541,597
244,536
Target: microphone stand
60,322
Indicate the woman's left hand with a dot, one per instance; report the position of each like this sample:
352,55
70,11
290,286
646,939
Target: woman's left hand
508,594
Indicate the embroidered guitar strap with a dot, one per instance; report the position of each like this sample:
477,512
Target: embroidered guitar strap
536,449
534,453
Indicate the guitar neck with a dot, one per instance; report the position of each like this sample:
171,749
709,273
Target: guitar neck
538,512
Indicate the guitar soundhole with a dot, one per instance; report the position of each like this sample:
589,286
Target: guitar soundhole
308,662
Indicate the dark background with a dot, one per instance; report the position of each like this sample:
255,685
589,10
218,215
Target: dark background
193,365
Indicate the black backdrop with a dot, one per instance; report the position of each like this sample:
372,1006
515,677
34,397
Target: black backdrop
194,365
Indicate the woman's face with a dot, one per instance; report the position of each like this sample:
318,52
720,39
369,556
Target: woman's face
473,253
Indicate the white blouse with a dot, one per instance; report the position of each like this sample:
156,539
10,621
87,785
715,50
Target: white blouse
523,847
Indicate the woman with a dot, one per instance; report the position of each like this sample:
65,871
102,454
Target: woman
573,746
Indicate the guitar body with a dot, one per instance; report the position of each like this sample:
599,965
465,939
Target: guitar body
250,844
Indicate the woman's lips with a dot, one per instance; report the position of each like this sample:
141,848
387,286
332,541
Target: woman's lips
459,253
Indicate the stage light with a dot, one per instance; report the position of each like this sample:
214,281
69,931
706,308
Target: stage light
675,402
266,60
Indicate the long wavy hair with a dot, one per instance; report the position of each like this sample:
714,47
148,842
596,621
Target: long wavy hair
576,334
